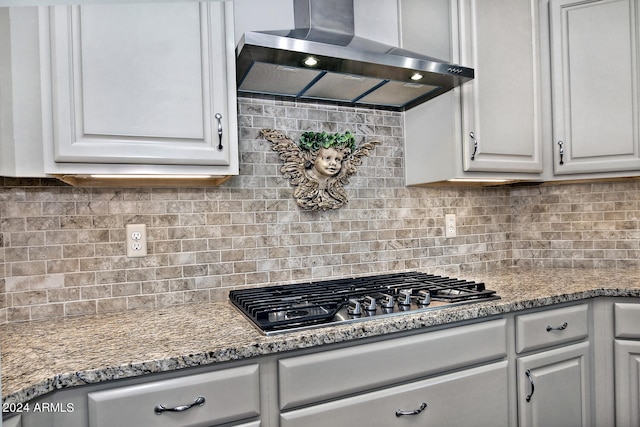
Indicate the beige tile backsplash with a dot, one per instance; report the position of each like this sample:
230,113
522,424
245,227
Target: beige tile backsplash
62,248
577,225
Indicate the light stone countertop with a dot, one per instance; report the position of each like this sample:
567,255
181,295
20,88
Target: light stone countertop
42,356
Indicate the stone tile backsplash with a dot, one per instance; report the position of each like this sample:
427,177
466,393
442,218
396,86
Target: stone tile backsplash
62,248
587,225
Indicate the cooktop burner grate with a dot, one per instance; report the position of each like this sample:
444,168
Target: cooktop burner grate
291,307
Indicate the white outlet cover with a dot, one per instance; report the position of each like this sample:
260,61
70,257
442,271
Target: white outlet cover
450,229
136,240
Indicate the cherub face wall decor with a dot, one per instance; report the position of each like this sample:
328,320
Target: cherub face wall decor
328,163
319,166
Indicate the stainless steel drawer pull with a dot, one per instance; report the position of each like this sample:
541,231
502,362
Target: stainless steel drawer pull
530,395
559,328
422,407
219,117
159,409
475,145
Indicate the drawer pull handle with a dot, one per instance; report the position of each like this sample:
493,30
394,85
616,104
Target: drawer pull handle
159,409
219,117
530,395
422,407
559,328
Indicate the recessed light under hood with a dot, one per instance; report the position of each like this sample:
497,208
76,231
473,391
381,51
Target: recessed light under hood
344,68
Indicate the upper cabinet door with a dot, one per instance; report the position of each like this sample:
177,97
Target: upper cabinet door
594,63
501,120
142,83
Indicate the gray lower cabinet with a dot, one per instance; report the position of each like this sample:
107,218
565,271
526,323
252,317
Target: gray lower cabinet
627,383
627,363
435,401
554,388
204,399
13,421
533,368
222,397
414,380
553,368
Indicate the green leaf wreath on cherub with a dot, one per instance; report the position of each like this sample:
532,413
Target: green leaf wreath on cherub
319,165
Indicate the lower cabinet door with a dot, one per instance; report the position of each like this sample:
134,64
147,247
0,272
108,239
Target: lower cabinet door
474,397
12,422
554,388
627,382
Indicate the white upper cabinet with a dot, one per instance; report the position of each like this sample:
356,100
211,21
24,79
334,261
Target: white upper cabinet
501,107
594,49
141,84
132,88
20,133
488,128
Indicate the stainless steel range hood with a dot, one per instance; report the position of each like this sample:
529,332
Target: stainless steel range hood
348,69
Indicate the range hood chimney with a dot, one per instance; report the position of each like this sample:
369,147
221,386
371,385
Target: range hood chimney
347,69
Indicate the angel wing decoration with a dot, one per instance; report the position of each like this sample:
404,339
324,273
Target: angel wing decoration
319,166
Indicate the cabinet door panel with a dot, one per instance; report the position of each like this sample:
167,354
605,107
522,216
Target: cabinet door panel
120,78
594,61
12,422
557,382
627,383
501,106
484,391
139,83
627,320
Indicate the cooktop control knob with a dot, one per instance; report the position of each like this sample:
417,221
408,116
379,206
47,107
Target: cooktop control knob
354,308
369,303
388,302
405,297
424,298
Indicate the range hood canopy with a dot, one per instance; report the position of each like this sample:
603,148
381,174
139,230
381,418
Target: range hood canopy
348,69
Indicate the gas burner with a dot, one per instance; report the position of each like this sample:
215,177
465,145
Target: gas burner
276,309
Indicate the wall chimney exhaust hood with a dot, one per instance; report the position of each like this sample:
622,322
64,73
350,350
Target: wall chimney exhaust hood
322,59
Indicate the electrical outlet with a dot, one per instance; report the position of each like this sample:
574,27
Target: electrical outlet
136,240
450,225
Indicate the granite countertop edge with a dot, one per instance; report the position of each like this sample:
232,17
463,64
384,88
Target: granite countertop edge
228,336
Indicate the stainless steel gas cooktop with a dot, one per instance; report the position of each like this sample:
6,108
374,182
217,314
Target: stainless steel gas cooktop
294,307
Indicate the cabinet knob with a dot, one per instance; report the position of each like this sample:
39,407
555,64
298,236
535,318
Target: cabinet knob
475,145
219,117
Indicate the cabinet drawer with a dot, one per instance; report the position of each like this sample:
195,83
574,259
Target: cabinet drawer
320,376
551,327
627,320
475,397
230,394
